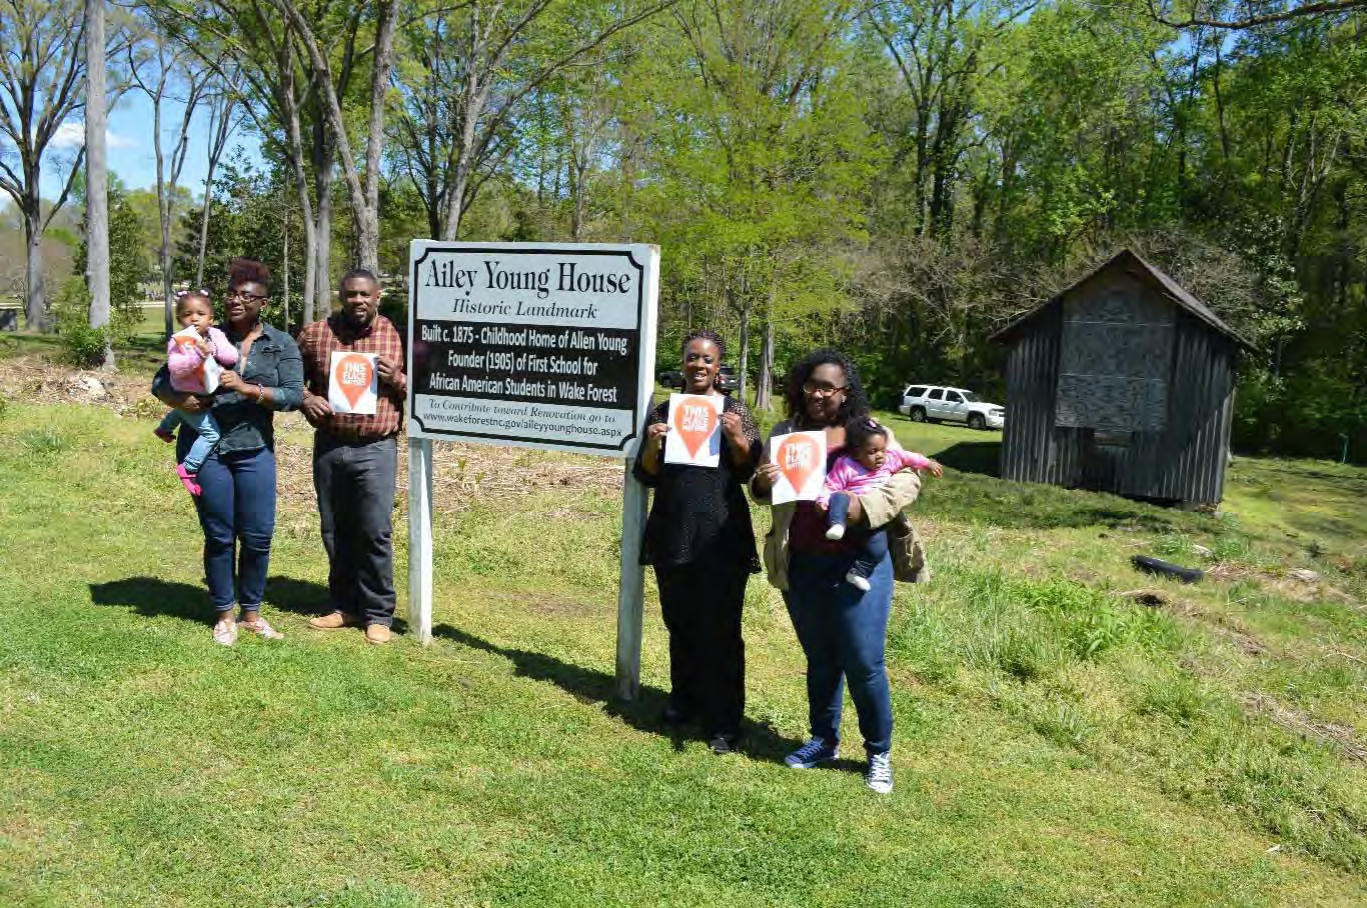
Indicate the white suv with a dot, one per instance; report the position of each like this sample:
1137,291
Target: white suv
924,402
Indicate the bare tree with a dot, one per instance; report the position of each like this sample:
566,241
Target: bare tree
456,128
97,176
158,69
223,119
41,73
364,189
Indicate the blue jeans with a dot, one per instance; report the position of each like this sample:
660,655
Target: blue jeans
873,547
237,514
206,440
843,633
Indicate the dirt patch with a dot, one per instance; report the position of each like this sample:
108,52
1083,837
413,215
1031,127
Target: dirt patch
464,474
1339,737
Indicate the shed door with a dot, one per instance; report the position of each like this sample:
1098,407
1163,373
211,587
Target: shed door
1115,360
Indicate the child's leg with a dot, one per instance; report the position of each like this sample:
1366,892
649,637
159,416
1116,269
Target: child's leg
204,424
874,550
166,429
838,511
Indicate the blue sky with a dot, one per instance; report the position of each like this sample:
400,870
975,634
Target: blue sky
131,154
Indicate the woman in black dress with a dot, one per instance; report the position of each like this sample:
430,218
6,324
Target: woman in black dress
701,543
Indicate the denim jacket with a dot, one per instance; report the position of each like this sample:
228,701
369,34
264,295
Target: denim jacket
274,363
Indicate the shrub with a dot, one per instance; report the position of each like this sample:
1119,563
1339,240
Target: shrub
83,345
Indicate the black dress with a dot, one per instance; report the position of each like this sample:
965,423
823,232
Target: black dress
701,542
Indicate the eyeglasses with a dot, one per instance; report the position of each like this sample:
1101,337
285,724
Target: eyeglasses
823,389
246,297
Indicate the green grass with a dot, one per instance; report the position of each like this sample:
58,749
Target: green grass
1056,744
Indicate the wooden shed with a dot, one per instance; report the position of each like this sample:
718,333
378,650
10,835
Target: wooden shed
1122,383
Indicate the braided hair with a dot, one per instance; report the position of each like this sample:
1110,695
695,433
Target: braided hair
711,337
854,406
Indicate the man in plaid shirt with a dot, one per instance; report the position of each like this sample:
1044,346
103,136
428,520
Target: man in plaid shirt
355,459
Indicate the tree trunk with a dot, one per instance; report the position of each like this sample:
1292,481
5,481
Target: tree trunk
764,383
285,255
35,302
742,367
97,177
220,131
322,269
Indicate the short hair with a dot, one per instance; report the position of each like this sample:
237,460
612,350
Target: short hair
858,433
708,335
248,271
854,406
359,272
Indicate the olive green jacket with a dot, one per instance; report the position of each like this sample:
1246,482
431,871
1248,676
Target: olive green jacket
882,505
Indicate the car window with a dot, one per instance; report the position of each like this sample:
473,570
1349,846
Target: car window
971,397
937,394
916,391
954,397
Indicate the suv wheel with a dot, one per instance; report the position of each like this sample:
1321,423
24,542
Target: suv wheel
976,421
917,414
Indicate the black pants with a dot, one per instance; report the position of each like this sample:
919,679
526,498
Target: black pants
702,607
355,485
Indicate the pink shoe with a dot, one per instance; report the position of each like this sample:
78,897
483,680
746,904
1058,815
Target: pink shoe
165,435
187,479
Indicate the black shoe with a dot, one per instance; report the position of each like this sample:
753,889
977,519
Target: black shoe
674,716
722,744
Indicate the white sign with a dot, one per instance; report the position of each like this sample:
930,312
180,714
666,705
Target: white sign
538,345
353,383
801,461
694,435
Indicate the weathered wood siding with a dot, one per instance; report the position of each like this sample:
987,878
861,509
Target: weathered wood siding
1055,433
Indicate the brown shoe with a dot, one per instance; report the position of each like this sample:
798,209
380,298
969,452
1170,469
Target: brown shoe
377,634
331,621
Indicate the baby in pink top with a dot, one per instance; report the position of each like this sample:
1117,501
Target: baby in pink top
185,358
868,464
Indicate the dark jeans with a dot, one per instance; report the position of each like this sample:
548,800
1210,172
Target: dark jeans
701,605
237,514
873,547
355,486
843,633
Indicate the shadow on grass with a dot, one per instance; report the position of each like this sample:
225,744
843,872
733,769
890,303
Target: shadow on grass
589,685
981,457
153,596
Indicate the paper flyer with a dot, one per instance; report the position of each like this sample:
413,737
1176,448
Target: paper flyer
801,460
694,435
353,383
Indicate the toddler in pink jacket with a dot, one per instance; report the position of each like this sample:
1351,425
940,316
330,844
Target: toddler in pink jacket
186,354
868,463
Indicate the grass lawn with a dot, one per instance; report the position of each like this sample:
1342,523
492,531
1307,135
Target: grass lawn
1056,744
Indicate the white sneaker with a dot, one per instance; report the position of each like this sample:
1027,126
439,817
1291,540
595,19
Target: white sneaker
879,775
837,531
858,582
225,633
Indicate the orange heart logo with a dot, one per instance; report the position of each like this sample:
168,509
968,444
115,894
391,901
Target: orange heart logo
796,456
354,375
695,420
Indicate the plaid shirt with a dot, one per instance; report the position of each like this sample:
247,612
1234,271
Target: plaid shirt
317,343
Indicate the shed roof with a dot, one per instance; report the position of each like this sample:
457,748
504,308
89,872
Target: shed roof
1135,264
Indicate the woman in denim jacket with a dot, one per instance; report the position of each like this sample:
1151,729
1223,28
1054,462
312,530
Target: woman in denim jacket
237,505
842,628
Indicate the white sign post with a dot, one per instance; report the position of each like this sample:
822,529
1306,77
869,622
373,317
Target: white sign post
547,346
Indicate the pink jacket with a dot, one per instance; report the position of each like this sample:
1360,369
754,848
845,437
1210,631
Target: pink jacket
187,363
849,476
